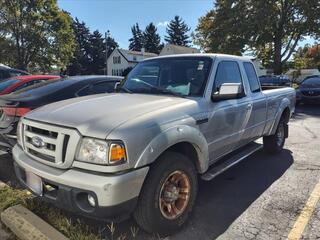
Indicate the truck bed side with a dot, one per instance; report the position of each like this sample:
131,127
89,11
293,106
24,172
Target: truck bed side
277,101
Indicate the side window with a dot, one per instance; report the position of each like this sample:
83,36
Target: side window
5,74
252,77
227,72
84,91
103,87
27,84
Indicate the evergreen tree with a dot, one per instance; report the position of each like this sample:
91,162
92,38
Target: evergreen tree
177,31
136,42
112,45
152,39
80,60
89,56
96,53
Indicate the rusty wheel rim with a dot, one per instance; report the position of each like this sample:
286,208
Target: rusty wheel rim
174,195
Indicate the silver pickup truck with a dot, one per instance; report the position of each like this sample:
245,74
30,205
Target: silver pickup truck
141,151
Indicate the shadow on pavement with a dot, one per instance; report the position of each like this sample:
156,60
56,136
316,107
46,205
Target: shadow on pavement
222,200
7,174
303,111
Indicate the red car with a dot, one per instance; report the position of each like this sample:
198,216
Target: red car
16,83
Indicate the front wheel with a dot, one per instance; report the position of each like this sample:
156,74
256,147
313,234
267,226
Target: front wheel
274,143
168,194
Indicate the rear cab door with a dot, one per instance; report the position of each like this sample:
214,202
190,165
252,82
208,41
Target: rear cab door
256,123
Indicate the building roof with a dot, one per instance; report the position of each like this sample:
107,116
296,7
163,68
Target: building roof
181,49
129,52
125,53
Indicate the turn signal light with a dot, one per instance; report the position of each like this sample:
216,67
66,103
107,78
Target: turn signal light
117,153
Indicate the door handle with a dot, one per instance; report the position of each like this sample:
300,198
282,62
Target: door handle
249,106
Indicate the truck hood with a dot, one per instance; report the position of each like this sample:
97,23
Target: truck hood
98,115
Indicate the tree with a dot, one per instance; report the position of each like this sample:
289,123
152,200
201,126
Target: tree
80,60
307,57
90,53
152,39
271,29
96,53
126,71
136,42
112,45
39,32
177,31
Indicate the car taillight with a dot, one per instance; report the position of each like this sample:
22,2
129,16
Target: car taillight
19,112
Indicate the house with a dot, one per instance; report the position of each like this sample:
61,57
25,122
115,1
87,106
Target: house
121,59
170,49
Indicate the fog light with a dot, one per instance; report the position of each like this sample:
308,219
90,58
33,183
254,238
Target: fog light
91,200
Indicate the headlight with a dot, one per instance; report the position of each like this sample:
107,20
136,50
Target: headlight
101,152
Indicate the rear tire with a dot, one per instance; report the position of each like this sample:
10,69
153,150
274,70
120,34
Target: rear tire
172,180
274,143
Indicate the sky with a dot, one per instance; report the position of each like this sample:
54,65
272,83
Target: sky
119,15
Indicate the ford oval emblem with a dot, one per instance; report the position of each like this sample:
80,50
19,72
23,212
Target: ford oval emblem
37,142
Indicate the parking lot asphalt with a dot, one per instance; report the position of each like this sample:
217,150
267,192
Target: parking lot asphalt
260,198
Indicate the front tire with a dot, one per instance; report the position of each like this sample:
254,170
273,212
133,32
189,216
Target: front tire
274,143
168,194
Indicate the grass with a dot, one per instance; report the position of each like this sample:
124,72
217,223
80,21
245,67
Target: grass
10,197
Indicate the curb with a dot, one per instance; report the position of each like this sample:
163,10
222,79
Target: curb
27,226
2,184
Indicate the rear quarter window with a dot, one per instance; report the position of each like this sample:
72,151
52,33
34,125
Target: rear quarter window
252,77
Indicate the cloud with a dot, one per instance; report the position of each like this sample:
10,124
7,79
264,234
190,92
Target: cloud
162,24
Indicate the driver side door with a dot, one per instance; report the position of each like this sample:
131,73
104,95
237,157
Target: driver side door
227,118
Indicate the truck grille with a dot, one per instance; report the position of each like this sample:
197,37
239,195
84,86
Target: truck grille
311,93
49,144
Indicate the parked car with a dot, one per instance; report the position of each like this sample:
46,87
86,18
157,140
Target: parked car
16,83
309,90
17,104
272,81
7,72
141,151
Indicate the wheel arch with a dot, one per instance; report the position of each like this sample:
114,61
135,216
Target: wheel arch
284,112
183,139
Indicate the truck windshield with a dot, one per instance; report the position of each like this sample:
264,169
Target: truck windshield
183,76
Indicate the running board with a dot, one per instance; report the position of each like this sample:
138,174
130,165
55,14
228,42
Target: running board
223,165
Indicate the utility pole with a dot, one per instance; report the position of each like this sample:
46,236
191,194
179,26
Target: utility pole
107,35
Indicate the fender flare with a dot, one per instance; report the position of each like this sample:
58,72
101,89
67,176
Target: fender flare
172,136
285,103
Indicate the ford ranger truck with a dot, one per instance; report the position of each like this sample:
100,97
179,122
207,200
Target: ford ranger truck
140,152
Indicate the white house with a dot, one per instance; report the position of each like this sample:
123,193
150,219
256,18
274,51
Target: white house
120,59
170,49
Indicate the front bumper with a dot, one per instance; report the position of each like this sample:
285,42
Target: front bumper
115,194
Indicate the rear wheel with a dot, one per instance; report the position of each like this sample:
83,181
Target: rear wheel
274,143
168,194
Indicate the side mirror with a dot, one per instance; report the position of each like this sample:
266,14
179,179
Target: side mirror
117,86
228,91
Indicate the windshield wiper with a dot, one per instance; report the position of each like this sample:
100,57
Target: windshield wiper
167,91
